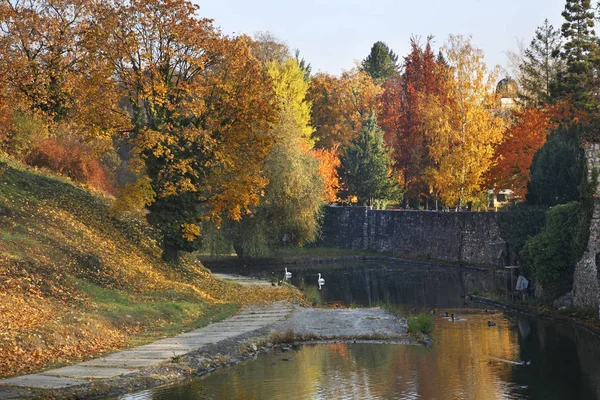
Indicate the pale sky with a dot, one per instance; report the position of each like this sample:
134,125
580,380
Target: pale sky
333,34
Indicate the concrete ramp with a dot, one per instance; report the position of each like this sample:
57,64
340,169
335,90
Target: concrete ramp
132,360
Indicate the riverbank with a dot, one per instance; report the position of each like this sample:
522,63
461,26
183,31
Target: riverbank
571,316
256,330
77,281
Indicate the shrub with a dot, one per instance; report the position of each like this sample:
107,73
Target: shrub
420,324
69,158
21,132
519,223
550,257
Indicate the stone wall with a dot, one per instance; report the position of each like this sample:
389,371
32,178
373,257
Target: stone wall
586,290
466,237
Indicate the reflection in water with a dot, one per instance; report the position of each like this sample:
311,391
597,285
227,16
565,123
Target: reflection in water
469,359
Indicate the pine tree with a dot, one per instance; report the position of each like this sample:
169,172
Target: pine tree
541,65
365,169
381,63
578,54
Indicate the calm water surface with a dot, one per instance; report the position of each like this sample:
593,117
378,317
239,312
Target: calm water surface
469,359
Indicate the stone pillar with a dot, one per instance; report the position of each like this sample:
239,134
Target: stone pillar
586,288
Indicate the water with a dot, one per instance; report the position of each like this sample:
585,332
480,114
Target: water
469,359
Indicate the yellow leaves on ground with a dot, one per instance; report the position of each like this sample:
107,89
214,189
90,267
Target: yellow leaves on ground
75,282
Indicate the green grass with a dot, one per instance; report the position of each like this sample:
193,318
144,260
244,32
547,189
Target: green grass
153,310
420,324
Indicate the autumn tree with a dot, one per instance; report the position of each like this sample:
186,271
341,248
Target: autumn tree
522,139
365,169
540,66
290,208
329,163
200,105
267,47
339,104
381,63
401,117
461,125
53,68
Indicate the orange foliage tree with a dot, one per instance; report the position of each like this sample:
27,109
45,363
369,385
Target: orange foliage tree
329,162
521,140
54,69
339,105
201,106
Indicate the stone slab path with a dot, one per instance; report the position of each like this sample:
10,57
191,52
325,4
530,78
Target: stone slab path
131,360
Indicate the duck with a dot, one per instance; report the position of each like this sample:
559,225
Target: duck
454,317
444,314
321,281
288,275
491,323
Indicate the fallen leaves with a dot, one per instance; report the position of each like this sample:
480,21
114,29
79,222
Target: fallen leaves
57,235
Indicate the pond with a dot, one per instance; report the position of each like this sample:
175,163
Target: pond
520,357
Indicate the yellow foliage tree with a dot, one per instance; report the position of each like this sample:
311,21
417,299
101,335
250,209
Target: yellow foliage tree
293,197
462,124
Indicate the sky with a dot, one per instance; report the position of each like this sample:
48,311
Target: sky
333,35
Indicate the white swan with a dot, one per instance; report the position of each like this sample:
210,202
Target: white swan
288,275
321,280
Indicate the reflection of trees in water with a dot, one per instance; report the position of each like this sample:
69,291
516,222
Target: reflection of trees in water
565,361
421,286
462,363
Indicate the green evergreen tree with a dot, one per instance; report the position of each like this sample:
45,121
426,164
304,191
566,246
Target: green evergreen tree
381,63
578,54
541,65
366,165
304,66
557,169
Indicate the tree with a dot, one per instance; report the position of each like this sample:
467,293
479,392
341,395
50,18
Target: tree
401,116
201,107
461,125
339,105
290,208
329,163
579,54
557,168
381,63
522,140
267,47
365,169
540,66
53,68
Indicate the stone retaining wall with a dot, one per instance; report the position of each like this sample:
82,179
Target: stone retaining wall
465,237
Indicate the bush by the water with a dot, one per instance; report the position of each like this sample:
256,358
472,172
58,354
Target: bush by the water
420,324
518,223
550,257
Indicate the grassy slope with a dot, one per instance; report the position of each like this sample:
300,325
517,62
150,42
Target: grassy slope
75,282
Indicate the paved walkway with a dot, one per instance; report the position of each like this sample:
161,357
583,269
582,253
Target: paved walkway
131,360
